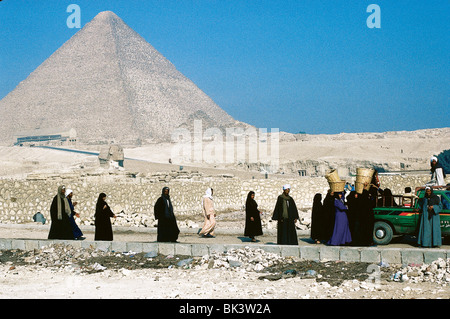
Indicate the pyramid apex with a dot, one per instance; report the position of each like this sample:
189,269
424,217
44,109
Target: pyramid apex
106,15
116,75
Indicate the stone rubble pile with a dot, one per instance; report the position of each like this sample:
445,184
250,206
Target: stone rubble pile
247,259
437,272
133,220
68,257
62,256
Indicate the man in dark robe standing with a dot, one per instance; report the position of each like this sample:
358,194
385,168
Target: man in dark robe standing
60,213
286,214
167,225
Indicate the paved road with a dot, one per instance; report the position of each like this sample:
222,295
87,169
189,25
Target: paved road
224,236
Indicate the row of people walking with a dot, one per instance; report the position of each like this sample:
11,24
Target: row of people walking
62,213
337,220
63,226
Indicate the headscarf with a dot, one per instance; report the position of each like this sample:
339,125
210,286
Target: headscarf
285,199
100,203
168,208
342,199
317,199
208,194
317,204
68,191
250,203
66,203
433,199
438,165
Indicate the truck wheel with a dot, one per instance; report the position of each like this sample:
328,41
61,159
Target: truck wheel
382,233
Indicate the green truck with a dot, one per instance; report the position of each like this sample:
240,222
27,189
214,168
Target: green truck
404,218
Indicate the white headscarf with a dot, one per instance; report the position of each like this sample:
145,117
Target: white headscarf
433,158
287,186
68,191
208,193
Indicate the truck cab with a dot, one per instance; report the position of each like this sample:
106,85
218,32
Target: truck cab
400,215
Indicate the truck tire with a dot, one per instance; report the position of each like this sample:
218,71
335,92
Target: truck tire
382,233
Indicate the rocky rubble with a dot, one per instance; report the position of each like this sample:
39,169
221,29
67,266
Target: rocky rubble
91,259
436,272
237,273
247,259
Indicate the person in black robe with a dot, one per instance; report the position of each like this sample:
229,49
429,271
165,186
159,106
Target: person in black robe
59,213
103,214
367,219
361,211
253,225
167,225
329,215
388,198
318,228
353,213
286,214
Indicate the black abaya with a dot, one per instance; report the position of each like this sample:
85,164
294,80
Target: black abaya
362,232
168,230
329,216
252,228
318,228
103,227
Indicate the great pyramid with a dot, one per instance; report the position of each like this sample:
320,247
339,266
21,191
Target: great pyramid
109,84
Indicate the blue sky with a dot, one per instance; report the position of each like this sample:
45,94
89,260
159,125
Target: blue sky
301,66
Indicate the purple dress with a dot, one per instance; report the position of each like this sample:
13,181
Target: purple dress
341,233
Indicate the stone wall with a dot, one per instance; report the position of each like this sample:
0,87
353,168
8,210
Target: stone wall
135,194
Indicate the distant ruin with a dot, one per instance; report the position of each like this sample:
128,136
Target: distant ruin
47,137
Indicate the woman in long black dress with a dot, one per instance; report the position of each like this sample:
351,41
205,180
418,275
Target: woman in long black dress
328,213
252,218
167,225
103,214
318,229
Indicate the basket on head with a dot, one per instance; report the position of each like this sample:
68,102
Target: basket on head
363,175
332,176
359,187
337,187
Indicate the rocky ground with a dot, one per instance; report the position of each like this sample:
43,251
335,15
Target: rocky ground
59,271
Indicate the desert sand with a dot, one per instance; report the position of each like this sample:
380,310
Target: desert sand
384,149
